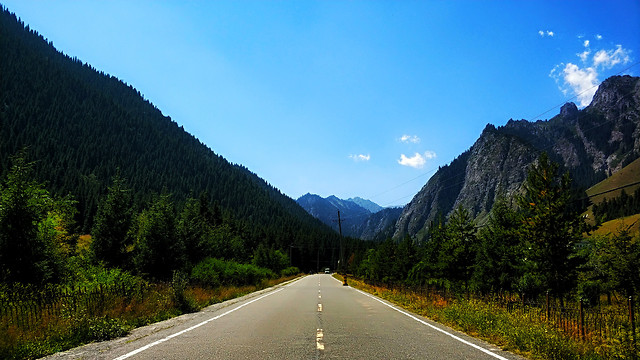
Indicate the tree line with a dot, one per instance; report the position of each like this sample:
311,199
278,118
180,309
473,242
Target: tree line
532,244
38,244
621,206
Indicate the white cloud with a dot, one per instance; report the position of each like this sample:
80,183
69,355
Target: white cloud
583,82
360,157
416,161
545,33
610,58
598,37
409,139
584,55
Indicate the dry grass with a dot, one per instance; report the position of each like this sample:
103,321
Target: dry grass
517,331
65,328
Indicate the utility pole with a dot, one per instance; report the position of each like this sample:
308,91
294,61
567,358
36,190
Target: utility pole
341,256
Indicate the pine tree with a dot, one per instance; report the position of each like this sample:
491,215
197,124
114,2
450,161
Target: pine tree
551,229
112,223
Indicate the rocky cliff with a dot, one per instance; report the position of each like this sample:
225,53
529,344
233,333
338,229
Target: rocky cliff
591,144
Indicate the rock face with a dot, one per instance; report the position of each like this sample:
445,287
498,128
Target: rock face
591,144
357,221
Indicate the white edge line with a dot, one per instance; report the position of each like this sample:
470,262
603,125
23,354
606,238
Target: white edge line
434,327
139,350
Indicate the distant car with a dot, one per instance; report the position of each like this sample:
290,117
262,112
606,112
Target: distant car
327,271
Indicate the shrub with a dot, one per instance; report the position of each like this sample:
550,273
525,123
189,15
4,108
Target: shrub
215,272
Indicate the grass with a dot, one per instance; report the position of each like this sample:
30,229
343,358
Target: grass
613,226
628,174
514,331
64,329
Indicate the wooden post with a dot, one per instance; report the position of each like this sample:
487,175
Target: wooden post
581,325
548,310
632,321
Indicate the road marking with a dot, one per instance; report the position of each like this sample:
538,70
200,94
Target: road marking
434,327
139,350
319,296
319,307
319,340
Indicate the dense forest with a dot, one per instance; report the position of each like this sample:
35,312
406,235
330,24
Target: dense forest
83,128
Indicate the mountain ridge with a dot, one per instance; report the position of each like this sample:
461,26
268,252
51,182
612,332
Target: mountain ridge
357,221
591,144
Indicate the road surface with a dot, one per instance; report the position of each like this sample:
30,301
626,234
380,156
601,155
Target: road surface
314,317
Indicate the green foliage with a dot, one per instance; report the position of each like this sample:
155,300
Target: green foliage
216,272
290,271
457,252
179,284
621,206
551,229
612,264
112,223
270,258
497,265
27,232
158,251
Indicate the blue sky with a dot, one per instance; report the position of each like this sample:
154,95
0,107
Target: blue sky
350,98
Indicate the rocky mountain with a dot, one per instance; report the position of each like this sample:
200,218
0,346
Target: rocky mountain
591,144
358,220
367,204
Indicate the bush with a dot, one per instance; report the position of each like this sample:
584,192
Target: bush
290,271
215,272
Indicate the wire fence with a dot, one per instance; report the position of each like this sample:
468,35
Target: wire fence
30,309
607,321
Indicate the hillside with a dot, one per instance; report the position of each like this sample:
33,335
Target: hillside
611,187
591,144
82,126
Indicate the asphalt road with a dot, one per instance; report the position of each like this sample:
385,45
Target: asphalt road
311,318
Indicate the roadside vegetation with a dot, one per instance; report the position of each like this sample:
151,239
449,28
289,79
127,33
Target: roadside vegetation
517,329
534,247
59,289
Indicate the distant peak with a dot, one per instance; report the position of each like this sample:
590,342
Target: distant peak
568,110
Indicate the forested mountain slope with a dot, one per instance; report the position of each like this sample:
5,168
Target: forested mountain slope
591,144
82,126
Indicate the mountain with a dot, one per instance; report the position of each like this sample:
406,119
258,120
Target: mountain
591,144
367,204
326,210
357,220
82,127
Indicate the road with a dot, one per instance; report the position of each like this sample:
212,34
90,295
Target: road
314,317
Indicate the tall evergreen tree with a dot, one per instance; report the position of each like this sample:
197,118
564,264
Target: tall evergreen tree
458,250
551,229
158,251
112,223
499,254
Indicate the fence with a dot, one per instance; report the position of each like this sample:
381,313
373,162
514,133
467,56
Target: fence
600,323
30,309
